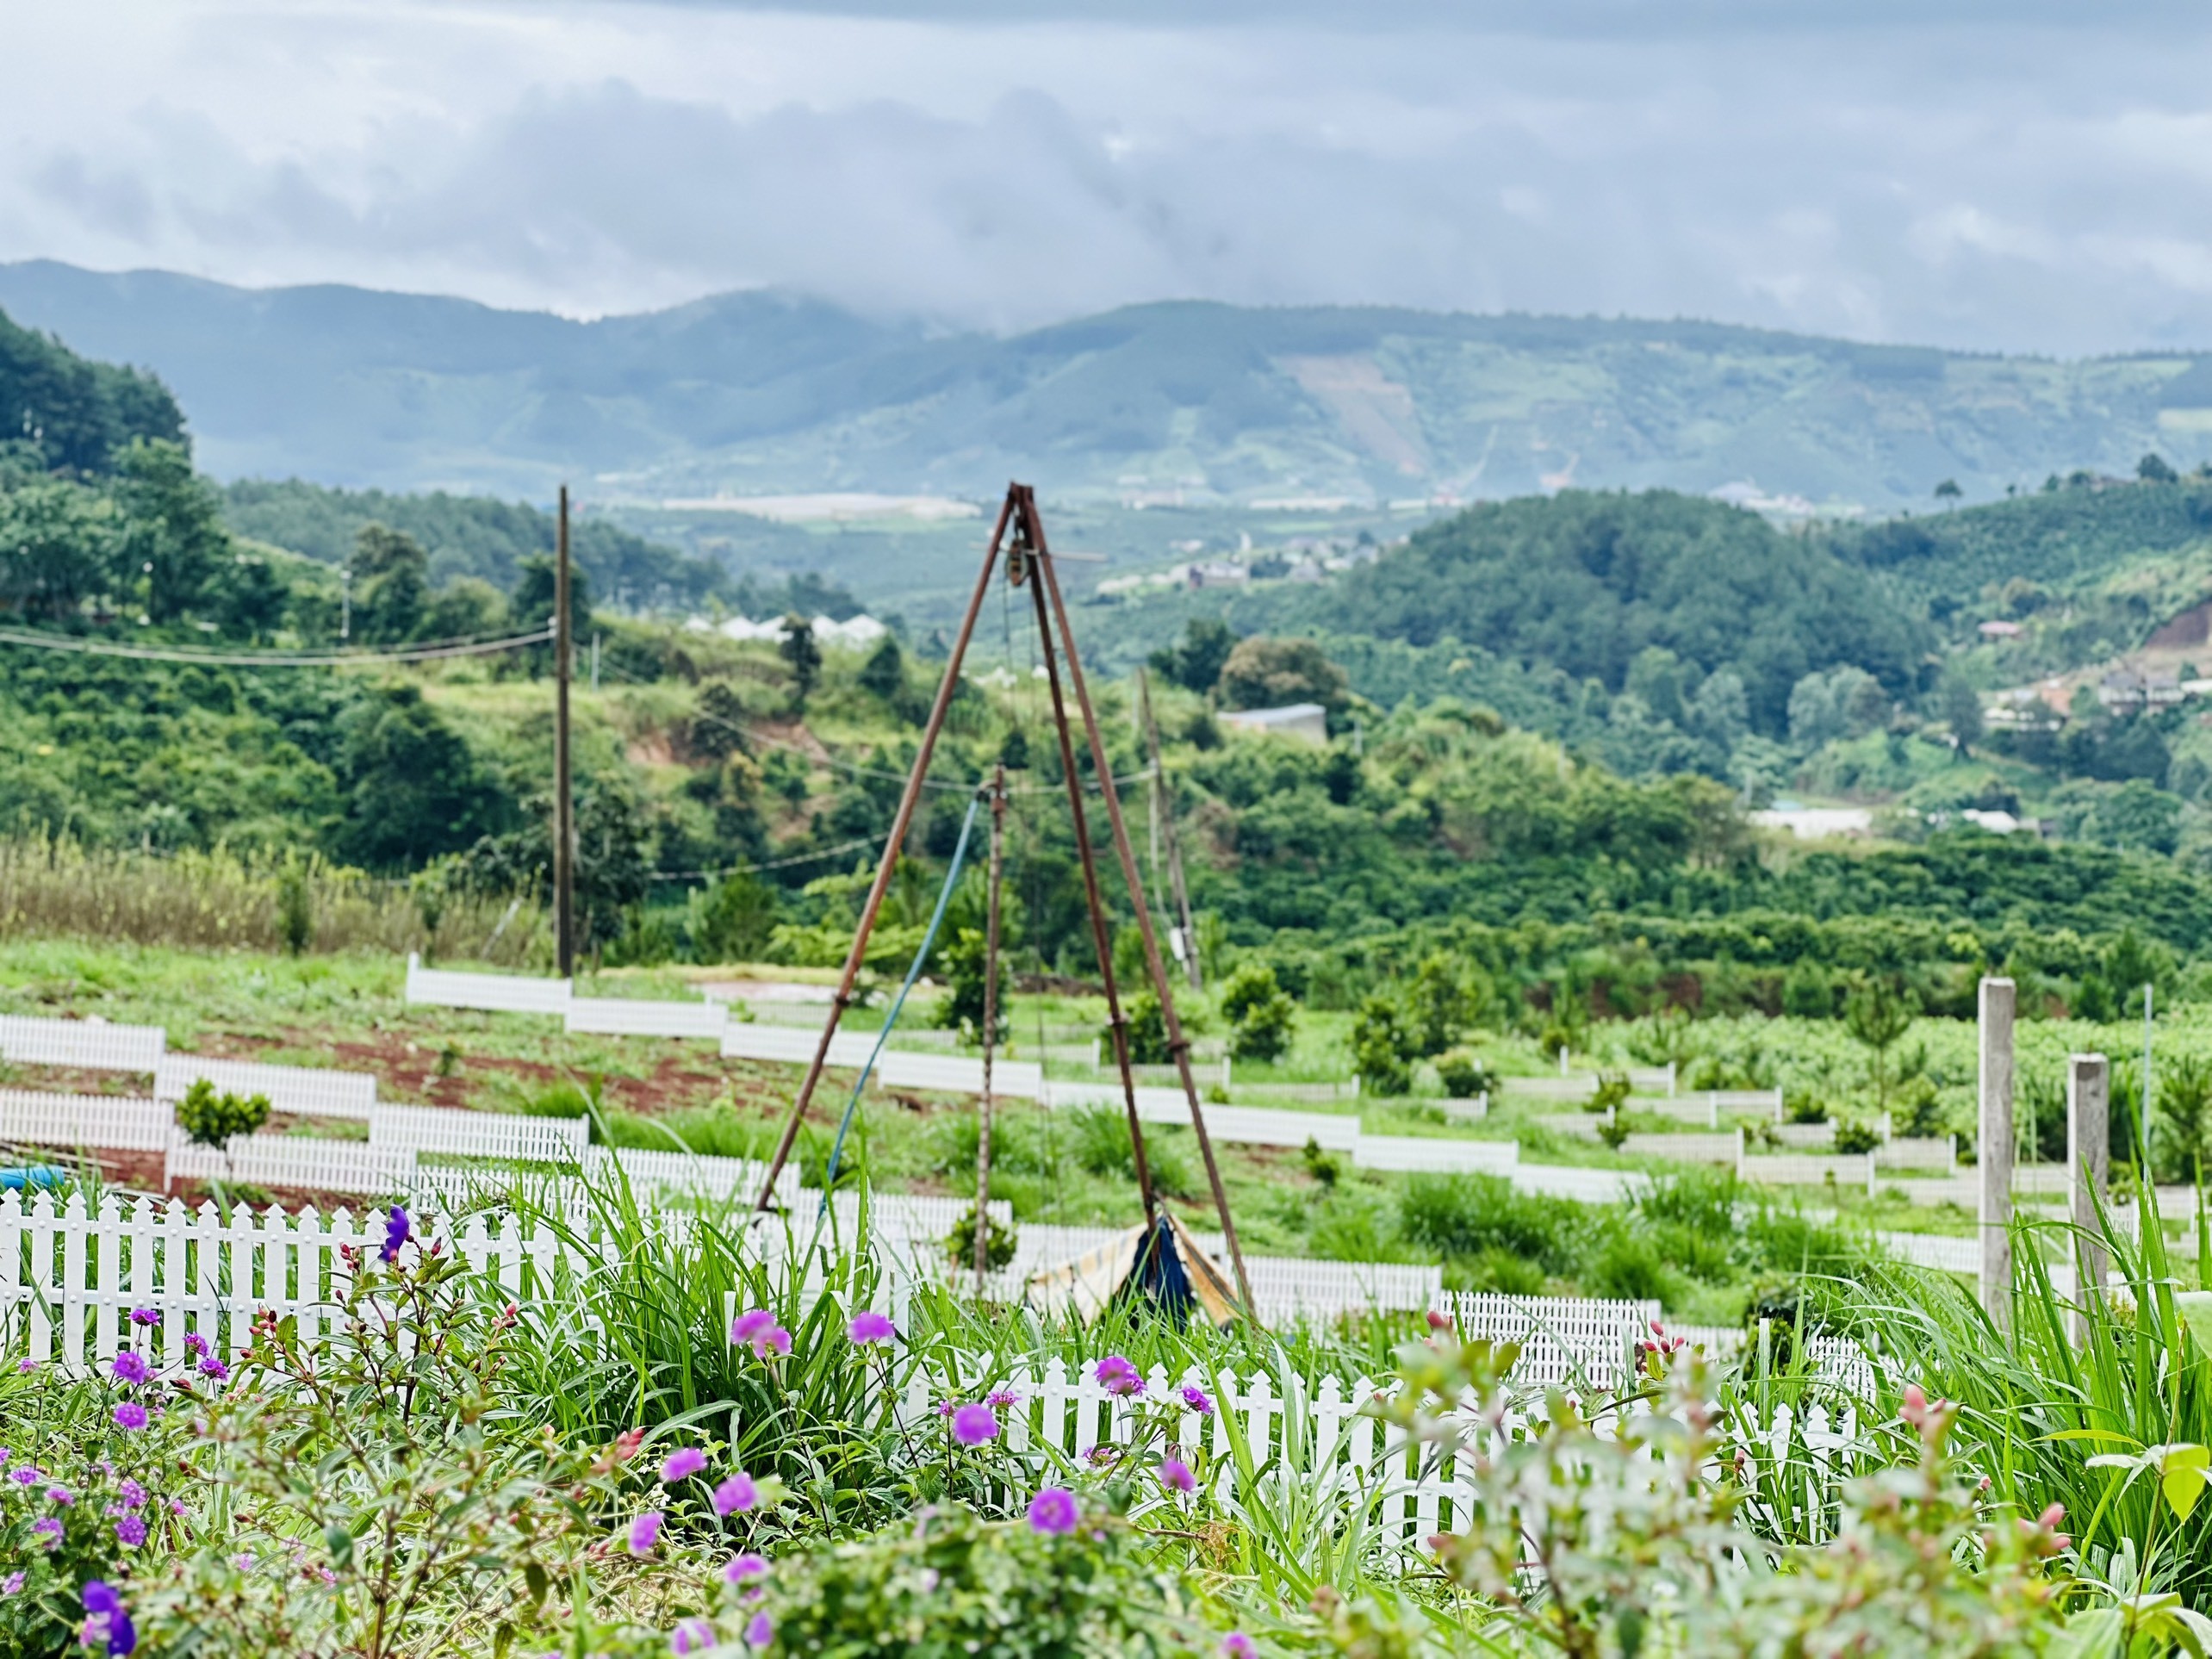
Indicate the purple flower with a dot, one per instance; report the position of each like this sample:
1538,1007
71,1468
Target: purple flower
692,1636
1176,1475
106,1622
26,1366
12,1584
28,1474
749,1325
745,1567
1237,1645
947,1407
1002,1398
760,1631
131,1530
1196,1401
195,1343
132,1494
736,1495
645,1533
975,1425
1052,1511
47,1530
130,1415
682,1463
5,1454
215,1369
130,1367
1119,1377
395,1234
868,1326
145,1316
60,1495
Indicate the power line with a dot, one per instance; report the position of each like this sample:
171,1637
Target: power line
430,651
755,735
770,863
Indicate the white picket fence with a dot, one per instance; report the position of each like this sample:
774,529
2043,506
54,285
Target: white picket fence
295,1089
303,1163
90,1045
443,1130
495,993
108,1122
71,1275
1325,1441
620,1017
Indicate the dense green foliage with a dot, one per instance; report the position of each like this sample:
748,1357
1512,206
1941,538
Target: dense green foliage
469,535
1591,582
63,411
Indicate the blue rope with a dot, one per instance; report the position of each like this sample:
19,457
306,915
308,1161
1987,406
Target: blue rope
913,972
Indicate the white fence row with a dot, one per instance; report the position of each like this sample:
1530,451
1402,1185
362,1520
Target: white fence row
617,1016
443,1130
70,1275
109,1122
495,993
303,1163
91,1045
1327,1441
295,1089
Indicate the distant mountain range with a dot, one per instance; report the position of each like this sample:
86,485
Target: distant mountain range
773,393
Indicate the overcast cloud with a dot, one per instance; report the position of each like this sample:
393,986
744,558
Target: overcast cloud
1963,174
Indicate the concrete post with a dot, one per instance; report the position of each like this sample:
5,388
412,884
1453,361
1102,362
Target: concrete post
1996,1148
2089,1159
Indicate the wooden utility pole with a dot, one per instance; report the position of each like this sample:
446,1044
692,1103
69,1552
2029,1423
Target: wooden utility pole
564,807
990,1025
1166,808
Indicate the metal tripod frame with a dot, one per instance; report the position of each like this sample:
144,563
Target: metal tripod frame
1029,562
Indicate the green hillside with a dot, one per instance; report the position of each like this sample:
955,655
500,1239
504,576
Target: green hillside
1196,403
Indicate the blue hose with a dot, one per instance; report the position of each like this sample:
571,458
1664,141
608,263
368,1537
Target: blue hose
34,1175
891,1018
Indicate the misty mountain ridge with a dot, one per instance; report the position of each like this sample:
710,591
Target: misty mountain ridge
766,391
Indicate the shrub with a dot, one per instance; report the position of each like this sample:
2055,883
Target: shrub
1102,1147
1441,1003
1854,1138
1262,1017
962,1011
1611,1092
1382,1050
998,1247
1322,1166
1148,1031
1464,1076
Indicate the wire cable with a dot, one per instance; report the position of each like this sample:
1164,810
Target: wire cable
431,651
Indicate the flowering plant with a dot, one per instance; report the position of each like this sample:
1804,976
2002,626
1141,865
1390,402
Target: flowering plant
385,1486
89,1491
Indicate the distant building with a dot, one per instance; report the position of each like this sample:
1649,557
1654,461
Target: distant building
2125,688
1218,573
1307,722
1309,570
1817,822
1999,629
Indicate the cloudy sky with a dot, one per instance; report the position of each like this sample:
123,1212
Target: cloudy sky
1953,172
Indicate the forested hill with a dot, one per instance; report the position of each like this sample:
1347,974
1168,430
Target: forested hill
66,412
1587,583
770,393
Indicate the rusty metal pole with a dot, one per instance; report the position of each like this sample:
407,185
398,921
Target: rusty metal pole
843,998
564,804
1178,1044
1117,1022
990,1025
